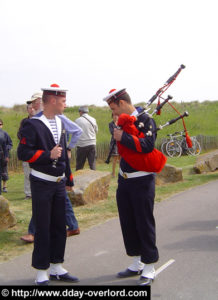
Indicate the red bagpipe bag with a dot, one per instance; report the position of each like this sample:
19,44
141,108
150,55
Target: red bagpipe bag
150,162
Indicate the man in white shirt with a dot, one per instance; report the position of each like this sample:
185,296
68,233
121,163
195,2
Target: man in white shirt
86,145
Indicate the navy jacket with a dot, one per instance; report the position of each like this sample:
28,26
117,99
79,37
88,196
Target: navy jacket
36,142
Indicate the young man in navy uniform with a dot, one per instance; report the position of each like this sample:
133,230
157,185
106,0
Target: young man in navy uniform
135,193
43,145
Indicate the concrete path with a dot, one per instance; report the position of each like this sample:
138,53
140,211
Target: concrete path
187,238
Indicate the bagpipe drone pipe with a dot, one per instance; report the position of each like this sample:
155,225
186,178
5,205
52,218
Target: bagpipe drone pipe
155,160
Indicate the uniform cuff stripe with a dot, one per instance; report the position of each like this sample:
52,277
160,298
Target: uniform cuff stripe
35,156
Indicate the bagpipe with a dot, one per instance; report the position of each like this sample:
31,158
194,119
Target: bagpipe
153,161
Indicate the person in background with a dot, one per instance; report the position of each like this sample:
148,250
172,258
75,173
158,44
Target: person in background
36,102
9,146
26,167
3,155
115,153
34,106
86,145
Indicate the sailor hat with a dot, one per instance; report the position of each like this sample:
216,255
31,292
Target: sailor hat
114,95
34,97
55,90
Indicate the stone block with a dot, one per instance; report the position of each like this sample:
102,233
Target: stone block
169,174
7,218
90,187
206,162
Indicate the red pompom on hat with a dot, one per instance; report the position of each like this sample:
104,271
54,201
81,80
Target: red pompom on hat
54,85
111,91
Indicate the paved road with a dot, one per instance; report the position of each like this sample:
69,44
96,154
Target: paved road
187,238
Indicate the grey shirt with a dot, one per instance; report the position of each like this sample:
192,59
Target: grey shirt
89,127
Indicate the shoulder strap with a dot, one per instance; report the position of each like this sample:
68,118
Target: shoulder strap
89,121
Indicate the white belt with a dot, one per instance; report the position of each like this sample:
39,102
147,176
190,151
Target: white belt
134,174
46,176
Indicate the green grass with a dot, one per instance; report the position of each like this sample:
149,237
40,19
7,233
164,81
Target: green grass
202,119
88,215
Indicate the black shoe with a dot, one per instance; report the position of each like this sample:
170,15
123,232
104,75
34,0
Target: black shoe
145,281
46,282
65,277
128,273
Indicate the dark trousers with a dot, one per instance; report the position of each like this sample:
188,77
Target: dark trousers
5,172
71,220
135,201
48,205
82,153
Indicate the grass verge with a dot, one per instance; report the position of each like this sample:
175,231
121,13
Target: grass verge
88,215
